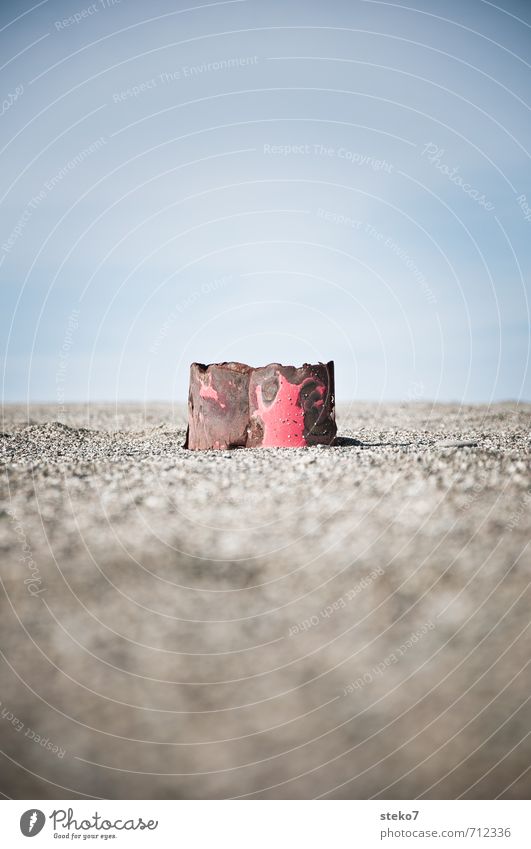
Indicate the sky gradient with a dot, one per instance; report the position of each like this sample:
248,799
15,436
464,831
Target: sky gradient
280,181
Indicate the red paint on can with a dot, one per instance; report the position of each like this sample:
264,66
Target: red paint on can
283,419
210,392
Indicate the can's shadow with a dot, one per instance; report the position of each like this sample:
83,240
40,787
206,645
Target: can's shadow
348,441
345,441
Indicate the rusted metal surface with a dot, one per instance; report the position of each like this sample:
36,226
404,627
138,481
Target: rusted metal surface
231,405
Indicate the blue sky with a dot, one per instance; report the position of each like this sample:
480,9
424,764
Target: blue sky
265,181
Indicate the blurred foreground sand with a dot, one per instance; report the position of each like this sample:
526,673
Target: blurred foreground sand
348,622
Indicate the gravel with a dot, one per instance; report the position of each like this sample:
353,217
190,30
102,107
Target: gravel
347,622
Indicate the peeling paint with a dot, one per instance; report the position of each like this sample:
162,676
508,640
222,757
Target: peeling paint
283,419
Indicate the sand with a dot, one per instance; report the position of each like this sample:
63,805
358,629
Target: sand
347,622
